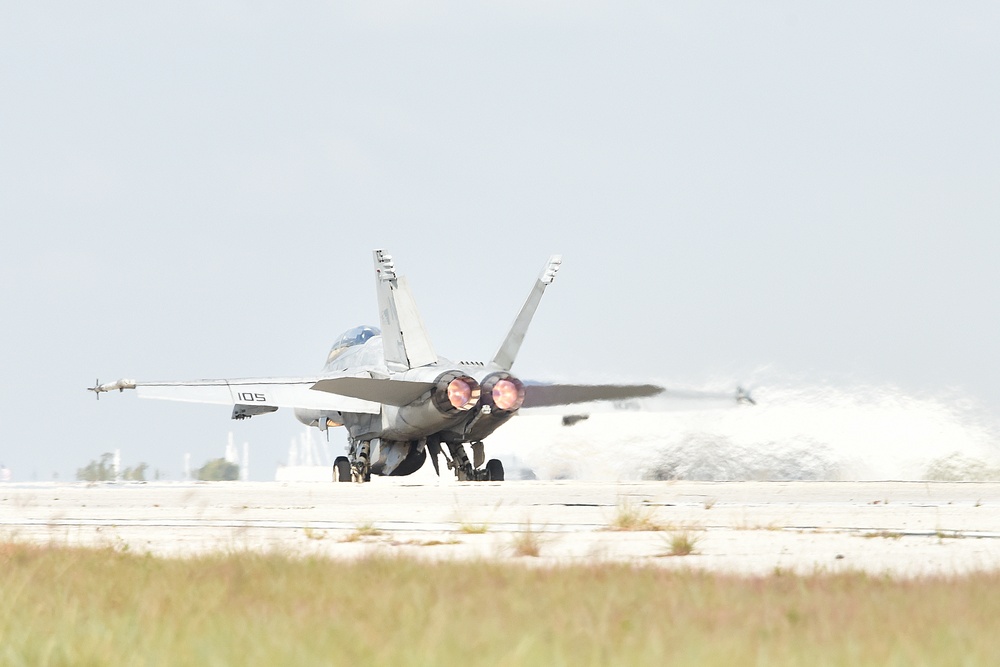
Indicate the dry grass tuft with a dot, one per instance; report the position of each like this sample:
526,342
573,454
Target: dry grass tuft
948,534
313,534
710,502
527,541
367,529
632,516
473,528
363,530
430,543
888,534
746,525
682,543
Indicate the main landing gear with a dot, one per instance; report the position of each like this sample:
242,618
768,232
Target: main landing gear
470,471
356,467
361,462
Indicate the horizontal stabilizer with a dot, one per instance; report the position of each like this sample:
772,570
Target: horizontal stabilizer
544,395
389,392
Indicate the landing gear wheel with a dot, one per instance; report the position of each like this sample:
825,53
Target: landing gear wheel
494,470
341,469
360,473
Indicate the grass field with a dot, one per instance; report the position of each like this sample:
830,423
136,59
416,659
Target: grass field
65,606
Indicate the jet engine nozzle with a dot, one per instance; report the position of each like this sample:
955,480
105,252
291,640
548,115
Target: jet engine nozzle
455,391
503,391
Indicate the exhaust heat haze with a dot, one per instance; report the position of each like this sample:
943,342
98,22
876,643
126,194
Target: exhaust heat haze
864,432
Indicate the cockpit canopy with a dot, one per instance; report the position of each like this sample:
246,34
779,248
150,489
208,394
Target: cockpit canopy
350,338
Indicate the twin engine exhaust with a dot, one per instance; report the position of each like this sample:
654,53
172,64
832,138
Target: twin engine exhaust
456,391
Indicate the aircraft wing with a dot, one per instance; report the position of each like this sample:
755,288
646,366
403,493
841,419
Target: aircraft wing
545,395
389,392
252,395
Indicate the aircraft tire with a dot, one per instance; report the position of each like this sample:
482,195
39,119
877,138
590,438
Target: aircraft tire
341,469
494,470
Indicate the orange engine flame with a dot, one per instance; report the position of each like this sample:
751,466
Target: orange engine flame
506,395
459,393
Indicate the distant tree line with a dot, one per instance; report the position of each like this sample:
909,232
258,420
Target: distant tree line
98,471
103,470
219,470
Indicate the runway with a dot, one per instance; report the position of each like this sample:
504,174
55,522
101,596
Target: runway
899,528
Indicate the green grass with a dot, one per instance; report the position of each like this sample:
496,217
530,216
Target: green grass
65,606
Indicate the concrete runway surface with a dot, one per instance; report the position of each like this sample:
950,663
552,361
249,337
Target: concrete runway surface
900,528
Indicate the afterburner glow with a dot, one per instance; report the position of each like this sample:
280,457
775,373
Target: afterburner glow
506,395
460,394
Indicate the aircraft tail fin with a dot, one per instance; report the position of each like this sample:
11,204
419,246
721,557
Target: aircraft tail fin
505,356
404,337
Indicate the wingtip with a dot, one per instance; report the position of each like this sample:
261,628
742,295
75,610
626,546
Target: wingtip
551,269
120,385
743,396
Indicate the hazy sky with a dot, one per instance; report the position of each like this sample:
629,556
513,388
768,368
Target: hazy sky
193,190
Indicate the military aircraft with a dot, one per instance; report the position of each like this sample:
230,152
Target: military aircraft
398,399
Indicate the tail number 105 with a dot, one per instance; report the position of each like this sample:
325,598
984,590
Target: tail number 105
252,398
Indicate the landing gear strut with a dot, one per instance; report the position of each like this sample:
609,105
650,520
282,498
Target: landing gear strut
460,462
361,469
464,469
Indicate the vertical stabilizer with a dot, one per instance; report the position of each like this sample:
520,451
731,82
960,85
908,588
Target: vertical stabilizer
505,356
404,338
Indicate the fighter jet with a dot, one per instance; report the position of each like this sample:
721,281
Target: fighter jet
398,400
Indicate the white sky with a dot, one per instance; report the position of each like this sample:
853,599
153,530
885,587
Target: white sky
193,190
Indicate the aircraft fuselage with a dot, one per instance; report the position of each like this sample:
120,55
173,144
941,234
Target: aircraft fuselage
463,403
